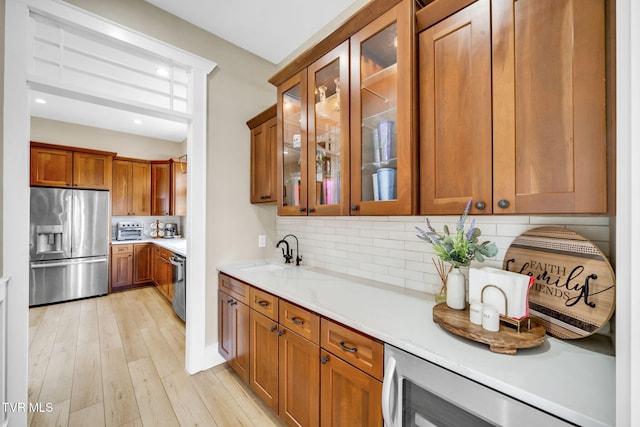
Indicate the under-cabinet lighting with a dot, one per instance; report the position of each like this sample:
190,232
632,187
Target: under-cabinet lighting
162,71
40,101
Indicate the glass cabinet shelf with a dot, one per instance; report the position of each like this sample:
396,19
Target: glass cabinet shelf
371,121
373,166
386,73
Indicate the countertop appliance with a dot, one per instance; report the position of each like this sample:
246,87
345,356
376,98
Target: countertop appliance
69,244
416,392
170,231
179,285
129,230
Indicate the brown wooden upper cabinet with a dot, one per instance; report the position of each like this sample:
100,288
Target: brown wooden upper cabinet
383,137
131,189
264,141
179,187
513,107
346,140
160,188
59,166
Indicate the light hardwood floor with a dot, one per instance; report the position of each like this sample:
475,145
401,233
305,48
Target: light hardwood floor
118,360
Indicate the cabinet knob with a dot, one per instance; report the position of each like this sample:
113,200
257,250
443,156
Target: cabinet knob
503,204
303,209
355,207
480,205
280,333
312,210
324,360
273,328
229,301
130,254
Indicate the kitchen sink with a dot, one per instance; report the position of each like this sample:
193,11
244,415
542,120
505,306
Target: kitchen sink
264,267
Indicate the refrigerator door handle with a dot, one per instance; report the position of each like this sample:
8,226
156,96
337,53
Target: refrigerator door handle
65,263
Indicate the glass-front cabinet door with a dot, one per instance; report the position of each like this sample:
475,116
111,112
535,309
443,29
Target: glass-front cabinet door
383,152
292,146
328,133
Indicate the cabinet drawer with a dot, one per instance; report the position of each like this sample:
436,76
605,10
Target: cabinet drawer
359,350
234,287
265,303
122,249
301,321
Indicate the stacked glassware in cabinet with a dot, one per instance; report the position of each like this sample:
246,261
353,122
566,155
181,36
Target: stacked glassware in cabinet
379,104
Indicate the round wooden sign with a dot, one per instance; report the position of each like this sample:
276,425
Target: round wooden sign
574,291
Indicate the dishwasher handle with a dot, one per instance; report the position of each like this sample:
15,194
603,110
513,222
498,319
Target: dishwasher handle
178,262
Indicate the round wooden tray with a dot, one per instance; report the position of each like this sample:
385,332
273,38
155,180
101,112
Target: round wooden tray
506,341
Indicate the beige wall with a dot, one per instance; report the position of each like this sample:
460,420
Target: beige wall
237,90
125,144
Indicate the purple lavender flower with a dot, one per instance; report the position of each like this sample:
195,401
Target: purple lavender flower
471,228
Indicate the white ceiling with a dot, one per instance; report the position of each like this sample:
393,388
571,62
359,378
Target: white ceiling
271,29
88,114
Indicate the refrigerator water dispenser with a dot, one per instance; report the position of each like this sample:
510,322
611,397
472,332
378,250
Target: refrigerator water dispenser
49,239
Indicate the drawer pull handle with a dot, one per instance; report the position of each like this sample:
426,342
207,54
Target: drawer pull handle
296,321
273,328
263,303
349,349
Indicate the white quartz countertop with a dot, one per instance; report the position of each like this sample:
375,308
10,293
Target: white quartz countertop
178,246
559,377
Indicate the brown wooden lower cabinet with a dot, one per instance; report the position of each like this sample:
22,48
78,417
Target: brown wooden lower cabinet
263,351
233,333
304,384
299,376
142,263
133,265
162,271
349,397
121,267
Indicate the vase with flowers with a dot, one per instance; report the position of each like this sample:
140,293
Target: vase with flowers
458,249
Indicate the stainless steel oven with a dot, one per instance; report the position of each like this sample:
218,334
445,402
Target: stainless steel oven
419,393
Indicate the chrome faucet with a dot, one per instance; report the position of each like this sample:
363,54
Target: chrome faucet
288,253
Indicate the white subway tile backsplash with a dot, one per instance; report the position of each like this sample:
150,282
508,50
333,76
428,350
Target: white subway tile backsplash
387,249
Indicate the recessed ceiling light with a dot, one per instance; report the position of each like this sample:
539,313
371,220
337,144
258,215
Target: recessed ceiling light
40,101
162,71
137,121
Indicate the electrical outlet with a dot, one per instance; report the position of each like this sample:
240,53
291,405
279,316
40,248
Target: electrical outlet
262,241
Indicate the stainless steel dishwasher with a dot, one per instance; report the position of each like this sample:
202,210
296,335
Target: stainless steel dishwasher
179,285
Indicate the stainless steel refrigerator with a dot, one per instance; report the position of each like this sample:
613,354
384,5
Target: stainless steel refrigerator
69,244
